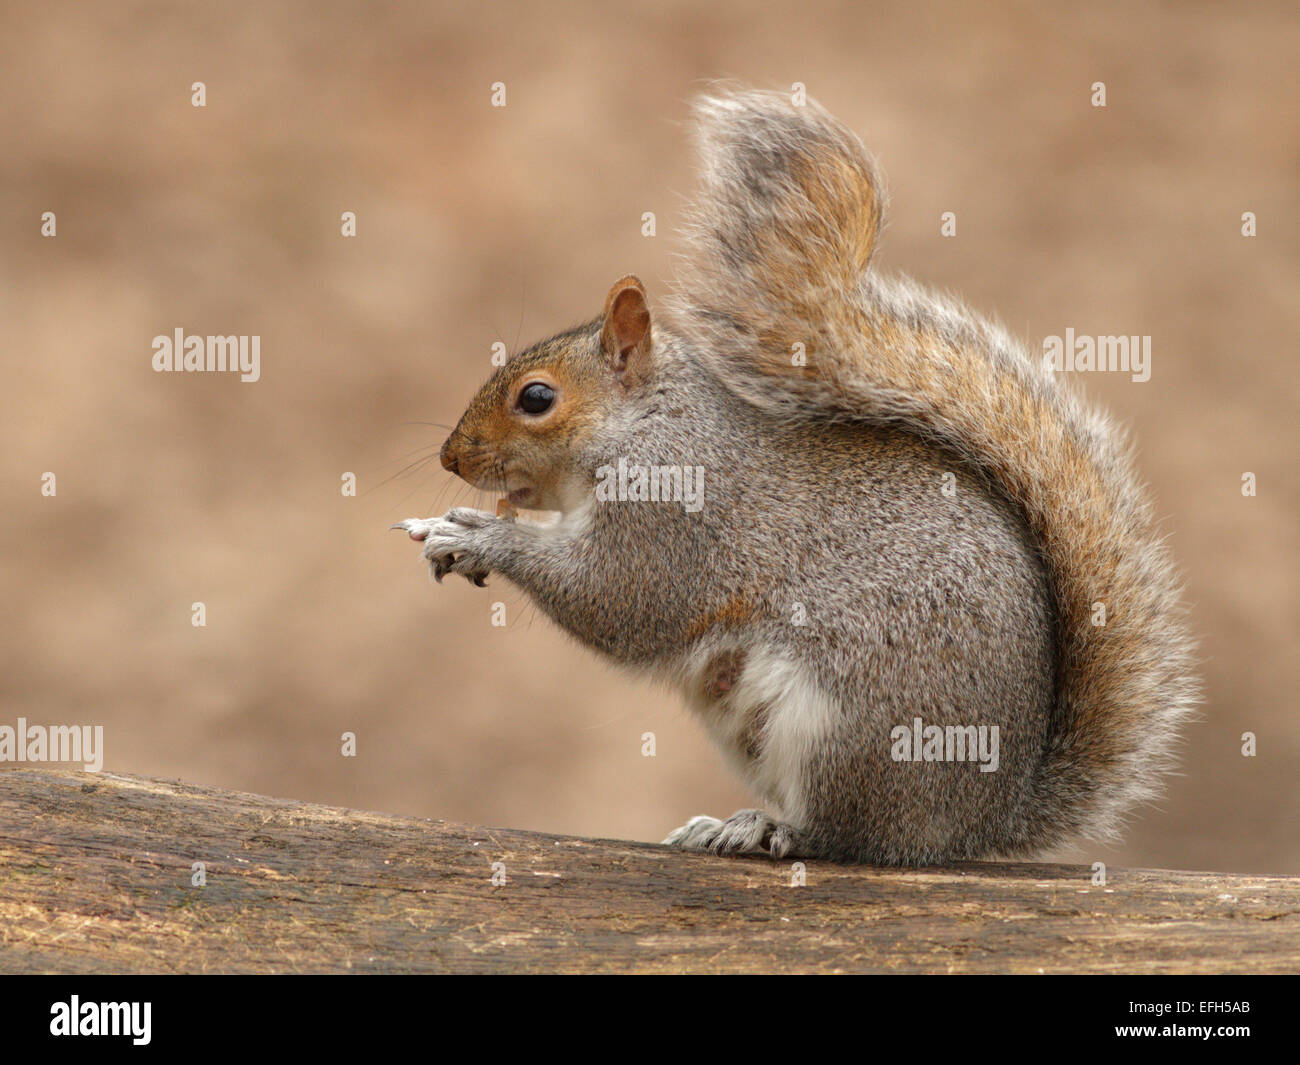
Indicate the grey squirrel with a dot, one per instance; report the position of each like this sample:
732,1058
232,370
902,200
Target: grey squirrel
911,534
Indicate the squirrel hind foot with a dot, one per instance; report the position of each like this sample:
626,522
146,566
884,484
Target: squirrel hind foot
744,832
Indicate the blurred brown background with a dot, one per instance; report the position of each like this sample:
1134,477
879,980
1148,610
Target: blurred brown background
477,225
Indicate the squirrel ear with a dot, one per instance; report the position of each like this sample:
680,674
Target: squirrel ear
625,336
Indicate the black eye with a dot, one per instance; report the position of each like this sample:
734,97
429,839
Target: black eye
536,398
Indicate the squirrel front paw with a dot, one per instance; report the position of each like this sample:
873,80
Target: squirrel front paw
453,543
744,832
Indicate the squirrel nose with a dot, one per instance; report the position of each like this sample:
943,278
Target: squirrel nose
450,461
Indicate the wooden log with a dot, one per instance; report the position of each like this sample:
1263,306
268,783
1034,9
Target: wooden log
97,871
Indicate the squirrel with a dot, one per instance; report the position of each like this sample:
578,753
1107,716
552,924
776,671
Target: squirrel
911,535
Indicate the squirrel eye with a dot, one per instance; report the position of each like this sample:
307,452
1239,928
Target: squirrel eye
536,398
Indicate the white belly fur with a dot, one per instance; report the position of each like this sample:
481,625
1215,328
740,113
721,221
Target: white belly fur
797,718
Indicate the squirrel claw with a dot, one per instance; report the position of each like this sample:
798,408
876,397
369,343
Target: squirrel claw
413,527
450,543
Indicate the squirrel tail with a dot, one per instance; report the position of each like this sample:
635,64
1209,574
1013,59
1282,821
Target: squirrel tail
777,294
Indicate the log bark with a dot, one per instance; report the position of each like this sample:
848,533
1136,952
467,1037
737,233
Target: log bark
97,871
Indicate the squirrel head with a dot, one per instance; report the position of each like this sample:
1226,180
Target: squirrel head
523,433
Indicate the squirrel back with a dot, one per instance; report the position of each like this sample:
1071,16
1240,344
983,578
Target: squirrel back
778,296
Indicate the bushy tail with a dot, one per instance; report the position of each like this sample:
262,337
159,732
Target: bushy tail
776,290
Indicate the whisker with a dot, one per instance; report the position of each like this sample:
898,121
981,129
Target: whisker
407,469
417,450
523,291
434,425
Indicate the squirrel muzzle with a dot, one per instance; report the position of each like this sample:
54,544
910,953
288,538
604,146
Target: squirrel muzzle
450,459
